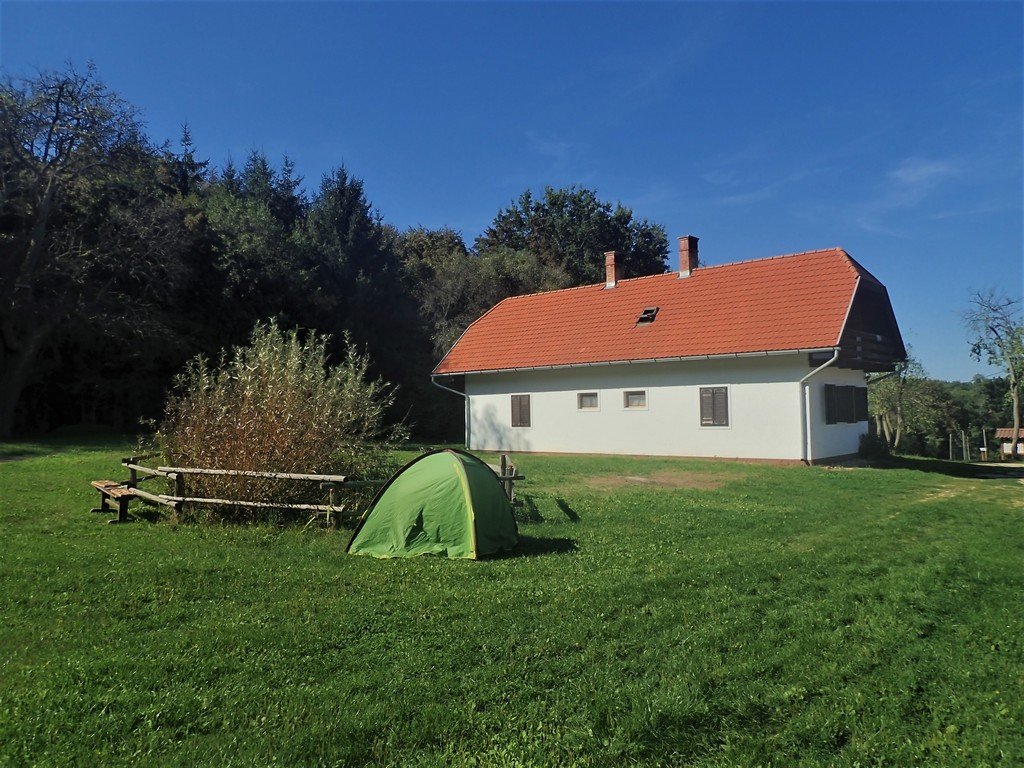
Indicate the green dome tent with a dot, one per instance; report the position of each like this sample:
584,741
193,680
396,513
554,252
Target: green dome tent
446,503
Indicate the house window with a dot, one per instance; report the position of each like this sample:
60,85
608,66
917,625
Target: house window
586,401
634,398
845,404
714,407
520,410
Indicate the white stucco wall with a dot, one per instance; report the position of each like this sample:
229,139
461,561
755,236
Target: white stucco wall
833,439
764,410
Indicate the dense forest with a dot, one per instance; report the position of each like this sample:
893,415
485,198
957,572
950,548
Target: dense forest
124,258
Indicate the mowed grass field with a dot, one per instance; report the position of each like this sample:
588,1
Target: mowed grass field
659,612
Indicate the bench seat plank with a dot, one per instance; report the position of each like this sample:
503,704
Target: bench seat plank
112,489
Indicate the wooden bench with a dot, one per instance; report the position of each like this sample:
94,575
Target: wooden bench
119,492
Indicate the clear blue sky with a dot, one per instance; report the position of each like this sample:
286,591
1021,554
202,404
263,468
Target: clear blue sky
892,130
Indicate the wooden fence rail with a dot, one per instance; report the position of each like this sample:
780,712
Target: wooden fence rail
330,512
138,472
249,473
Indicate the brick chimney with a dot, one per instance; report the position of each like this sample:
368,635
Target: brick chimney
687,255
611,270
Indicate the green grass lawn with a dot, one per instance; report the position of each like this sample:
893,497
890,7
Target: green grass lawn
694,613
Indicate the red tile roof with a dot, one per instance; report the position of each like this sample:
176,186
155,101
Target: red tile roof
1006,433
793,302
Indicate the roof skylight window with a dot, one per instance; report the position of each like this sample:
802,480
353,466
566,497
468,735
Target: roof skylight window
647,316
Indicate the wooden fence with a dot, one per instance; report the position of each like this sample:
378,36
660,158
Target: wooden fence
178,478
329,513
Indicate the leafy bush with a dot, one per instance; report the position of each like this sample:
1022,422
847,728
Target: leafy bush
873,446
276,405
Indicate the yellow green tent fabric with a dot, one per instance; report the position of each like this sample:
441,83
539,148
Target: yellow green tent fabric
446,503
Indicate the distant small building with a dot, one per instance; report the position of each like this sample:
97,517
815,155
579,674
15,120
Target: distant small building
761,359
1005,437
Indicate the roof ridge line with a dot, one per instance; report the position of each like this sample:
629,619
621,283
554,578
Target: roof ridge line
673,272
834,249
588,285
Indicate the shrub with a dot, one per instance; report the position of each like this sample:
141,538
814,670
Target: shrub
276,405
873,447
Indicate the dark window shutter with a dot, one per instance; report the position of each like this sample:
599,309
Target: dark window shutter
847,405
707,407
852,413
721,399
843,403
714,407
862,403
520,410
831,406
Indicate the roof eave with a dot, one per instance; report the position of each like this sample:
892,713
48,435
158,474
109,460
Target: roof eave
676,359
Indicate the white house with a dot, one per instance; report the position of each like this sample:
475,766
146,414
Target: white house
762,359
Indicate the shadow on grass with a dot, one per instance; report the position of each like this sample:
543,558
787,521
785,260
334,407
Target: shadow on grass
535,546
20,452
567,510
144,513
993,471
90,438
526,510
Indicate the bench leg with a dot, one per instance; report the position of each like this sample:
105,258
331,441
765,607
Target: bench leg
103,504
122,511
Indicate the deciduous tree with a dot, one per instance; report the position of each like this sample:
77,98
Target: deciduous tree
86,231
907,402
570,229
995,321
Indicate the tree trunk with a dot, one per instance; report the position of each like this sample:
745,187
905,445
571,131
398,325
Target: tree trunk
14,375
887,428
17,355
1015,399
27,265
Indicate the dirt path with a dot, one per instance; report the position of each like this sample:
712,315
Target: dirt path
707,481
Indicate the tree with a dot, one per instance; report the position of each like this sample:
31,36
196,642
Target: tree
280,192
995,321
88,233
981,403
509,272
570,230
453,286
256,271
354,275
907,402
185,174
444,279
354,284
